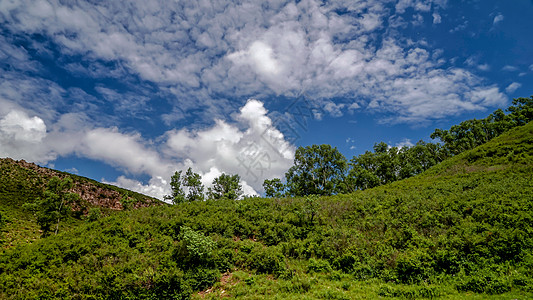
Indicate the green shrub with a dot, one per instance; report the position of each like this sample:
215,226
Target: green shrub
318,266
199,248
414,266
267,260
94,214
201,278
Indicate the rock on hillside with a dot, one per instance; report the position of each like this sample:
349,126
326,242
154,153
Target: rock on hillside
92,193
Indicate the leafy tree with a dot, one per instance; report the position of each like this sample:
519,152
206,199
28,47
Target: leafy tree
371,169
418,158
177,195
388,164
317,170
274,188
521,112
51,208
193,181
226,187
472,133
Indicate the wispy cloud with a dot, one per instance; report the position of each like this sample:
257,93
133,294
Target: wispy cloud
498,19
512,87
196,51
509,68
205,59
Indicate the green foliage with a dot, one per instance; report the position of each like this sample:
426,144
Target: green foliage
94,214
322,170
198,247
52,207
193,182
461,229
226,187
21,184
472,133
274,188
318,266
266,260
317,170
127,202
177,196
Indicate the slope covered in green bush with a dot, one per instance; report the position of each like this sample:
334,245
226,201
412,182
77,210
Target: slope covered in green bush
463,229
24,183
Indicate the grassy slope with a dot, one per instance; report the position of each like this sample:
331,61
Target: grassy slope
19,185
461,230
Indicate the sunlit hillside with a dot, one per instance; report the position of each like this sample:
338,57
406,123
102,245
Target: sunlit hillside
462,229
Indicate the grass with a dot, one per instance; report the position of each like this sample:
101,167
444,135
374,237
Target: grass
462,230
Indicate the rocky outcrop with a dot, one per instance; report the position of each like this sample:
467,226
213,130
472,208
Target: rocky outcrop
91,193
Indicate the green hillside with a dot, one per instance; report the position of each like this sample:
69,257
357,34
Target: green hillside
461,230
22,182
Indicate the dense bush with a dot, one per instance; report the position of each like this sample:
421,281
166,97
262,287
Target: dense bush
465,224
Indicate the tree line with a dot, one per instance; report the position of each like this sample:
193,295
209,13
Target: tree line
323,170
188,187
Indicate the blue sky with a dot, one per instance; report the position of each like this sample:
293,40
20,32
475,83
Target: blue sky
129,91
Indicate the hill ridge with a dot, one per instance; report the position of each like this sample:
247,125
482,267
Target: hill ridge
92,192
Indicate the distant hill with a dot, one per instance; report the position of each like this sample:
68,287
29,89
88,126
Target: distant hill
461,230
22,182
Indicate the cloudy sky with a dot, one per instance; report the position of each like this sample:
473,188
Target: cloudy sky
129,91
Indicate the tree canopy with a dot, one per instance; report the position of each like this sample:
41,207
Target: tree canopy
226,187
191,181
317,170
51,208
323,170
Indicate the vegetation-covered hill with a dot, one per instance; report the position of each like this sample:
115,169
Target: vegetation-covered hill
462,229
22,182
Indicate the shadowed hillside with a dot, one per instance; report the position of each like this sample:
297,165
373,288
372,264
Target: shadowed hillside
22,182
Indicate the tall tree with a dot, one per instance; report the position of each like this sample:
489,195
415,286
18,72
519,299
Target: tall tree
193,182
472,133
274,188
52,207
226,187
317,170
178,195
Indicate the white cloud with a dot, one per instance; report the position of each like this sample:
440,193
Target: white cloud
156,187
423,6
531,67
487,97
404,143
202,52
259,151
371,21
483,67
20,127
333,109
498,18
509,68
418,20
512,87
122,150
21,136
249,145
437,19
198,56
